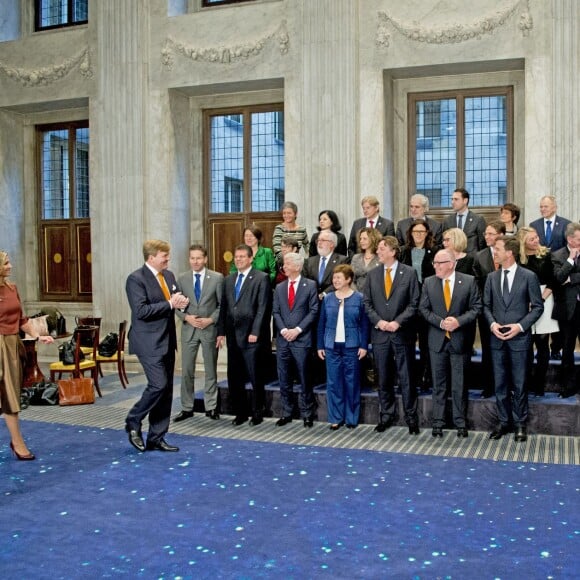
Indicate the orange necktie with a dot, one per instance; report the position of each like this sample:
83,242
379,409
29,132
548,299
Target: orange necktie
447,298
388,283
164,286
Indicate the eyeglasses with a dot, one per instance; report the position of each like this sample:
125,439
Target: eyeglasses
323,241
440,263
419,232
446,239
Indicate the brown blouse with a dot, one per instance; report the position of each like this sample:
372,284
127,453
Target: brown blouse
11,315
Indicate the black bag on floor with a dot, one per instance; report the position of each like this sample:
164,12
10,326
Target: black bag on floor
42,393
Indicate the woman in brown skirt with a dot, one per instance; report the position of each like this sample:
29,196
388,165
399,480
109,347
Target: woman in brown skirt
11,319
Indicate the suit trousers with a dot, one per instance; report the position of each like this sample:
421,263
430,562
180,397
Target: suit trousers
245,363
404,355
343,384
287,356
440,362
510,369
189,350
156,398
570,330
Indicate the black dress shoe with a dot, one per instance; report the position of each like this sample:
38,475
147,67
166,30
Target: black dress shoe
283,421
136,438
256,421
437,432
383,425
521,434
349,426
555,355
213,414
239,420
462,432
160,445
183,416
486,394
308,422
499,433
413,429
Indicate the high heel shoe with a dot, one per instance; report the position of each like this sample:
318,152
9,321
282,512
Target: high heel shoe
28,457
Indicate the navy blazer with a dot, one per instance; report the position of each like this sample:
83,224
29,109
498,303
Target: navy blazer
473,228
465,307
152,330
525,305
303,314
383,225
356,323
401,306
558,239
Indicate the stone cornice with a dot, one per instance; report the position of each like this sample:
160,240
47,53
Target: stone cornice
224,54
47,75
456,32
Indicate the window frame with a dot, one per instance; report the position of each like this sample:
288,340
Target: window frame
208,4
38,17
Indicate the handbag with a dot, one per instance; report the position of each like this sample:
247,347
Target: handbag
79,391
66,353
85,340
56,321
42,394
35,326
108,346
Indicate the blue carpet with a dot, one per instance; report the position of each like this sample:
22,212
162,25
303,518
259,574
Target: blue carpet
93,507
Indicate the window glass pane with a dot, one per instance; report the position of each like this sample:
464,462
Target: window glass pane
267,161
81,11
227,163
486,149
55,170
56,12
435,150
82,173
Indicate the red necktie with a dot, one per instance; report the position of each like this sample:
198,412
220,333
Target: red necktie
372,222
291,294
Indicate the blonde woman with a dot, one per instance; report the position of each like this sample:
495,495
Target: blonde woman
455,240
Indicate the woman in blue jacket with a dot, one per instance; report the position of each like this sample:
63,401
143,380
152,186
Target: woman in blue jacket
343,337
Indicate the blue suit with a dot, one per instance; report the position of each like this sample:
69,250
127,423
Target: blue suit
510,357
152,338
558,239
304,314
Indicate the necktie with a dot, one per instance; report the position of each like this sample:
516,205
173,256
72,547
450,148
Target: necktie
322,269
506,288
291,294
197,288
548,231
372,223
164,286
238,285
388,283
460,221
447,298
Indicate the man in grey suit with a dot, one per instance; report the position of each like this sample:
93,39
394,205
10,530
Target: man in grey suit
203,287
295,312
450,303
418,208
391,298
473,225
512,302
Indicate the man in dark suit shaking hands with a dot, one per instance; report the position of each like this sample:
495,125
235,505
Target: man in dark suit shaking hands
450,303
244,320
151,291
295,313
512,302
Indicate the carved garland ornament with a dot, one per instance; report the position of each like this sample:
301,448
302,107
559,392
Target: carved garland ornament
49,74
455,33
222,54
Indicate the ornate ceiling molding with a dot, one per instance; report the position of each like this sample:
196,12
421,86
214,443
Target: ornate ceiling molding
455,32
49,74
223,54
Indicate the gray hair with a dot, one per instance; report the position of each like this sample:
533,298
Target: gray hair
331,236
423,199
296,258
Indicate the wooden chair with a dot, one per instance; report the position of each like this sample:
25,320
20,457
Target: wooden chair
118,358
89,321
79,367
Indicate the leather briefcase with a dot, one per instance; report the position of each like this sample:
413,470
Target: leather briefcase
79,391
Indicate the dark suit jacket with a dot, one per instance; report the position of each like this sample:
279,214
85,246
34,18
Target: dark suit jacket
435,226
208,305
304,313
565,294
427,268
483,265
250,314
558,240
473,228
465,306
340,244
383,225
524,307
310,270
152,331
400,306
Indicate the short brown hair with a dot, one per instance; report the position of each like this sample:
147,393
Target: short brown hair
346,270
153,247
393,243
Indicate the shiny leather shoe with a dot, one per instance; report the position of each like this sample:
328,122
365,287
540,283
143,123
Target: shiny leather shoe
383,426
308,422
499,433
413,429
28,457
256,421
521,435
335,426
462,432
349,426
283,421
183,416
437,432
161,445
213,414
136,438
239,420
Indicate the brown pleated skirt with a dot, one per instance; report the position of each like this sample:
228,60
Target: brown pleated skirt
11,351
